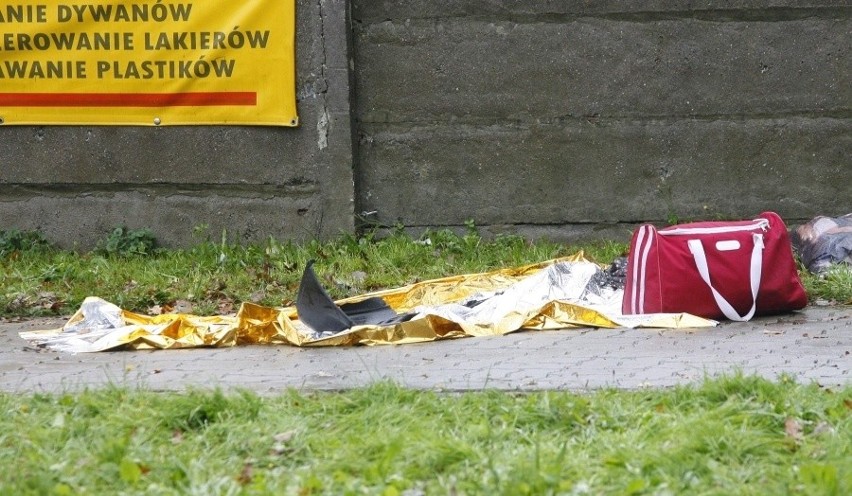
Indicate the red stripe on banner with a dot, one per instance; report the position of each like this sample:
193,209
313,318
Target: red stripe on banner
196,99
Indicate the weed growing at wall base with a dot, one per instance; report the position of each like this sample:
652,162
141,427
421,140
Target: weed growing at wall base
125,242
13,241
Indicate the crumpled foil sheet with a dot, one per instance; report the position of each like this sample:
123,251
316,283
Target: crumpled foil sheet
556,294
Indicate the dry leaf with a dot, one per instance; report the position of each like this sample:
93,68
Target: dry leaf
280,447
19,302
246,474
284,437
793,429
48,301
823,428
182,306
226,306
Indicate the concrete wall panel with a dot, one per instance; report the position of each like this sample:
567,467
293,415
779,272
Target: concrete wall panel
547,117
371,11
608,172
544,71
75,217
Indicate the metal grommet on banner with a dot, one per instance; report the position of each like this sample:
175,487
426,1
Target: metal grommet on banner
157,121
2,121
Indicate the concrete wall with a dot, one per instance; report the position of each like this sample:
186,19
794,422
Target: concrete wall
77,183
564,119
577,119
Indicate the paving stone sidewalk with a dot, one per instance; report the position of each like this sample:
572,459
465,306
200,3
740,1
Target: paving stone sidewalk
812,345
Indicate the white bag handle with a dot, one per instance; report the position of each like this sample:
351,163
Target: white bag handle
700,258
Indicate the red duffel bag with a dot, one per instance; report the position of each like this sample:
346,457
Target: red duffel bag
716,270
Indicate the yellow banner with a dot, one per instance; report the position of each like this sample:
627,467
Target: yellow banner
155,62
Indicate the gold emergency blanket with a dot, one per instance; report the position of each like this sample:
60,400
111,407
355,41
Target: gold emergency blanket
543,296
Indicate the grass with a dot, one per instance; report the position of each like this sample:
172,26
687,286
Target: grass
835,285
732,435
215,277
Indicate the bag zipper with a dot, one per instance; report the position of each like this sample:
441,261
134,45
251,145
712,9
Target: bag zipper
762,224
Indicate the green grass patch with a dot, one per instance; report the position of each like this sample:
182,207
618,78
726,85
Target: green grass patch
833,286
734,435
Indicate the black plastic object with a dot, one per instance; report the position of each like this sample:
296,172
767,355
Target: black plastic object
315,306
319,312
372,311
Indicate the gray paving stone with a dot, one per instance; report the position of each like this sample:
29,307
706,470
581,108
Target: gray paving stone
811,345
